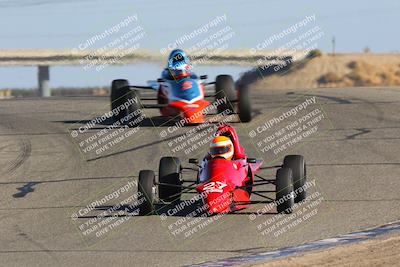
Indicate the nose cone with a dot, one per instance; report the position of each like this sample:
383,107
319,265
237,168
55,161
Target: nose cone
219,203
194,112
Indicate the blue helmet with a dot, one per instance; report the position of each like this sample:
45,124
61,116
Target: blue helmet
177,58
178,63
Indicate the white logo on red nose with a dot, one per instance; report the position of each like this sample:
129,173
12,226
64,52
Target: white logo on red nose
215,187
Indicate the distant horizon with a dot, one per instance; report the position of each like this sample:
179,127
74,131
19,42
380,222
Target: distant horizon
346,26
60,24
234,49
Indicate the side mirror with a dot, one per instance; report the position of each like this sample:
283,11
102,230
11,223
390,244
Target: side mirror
194,161
251,160
160,80
203,77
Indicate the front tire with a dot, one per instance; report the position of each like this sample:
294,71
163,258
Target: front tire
121,94
145,188
169,173
284,190
298,166
244,105
225,88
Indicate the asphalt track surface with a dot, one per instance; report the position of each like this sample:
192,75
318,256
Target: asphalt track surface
46,178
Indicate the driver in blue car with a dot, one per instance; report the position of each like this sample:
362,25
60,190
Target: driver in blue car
178,66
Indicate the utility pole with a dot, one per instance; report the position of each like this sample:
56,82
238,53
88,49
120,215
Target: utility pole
44,81
333,45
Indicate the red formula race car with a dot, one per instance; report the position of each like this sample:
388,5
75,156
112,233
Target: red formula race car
224,185
184,99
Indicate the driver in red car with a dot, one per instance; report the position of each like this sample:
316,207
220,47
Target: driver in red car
225,145
222,147
226,136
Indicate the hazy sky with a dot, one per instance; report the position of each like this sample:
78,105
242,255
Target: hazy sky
65,24
29,24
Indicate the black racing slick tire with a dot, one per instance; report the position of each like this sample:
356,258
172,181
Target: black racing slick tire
169,173
244,104
225,88
145,189
297,164
124,101
284,190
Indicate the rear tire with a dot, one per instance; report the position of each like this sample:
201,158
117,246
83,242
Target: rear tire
298,166
284,190
169,173
120,94
225,87
244,104
145,187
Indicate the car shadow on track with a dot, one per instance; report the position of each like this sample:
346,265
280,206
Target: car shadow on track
181,208
155,121
149,144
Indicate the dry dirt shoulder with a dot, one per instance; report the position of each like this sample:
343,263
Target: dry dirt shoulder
342,70
376,252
